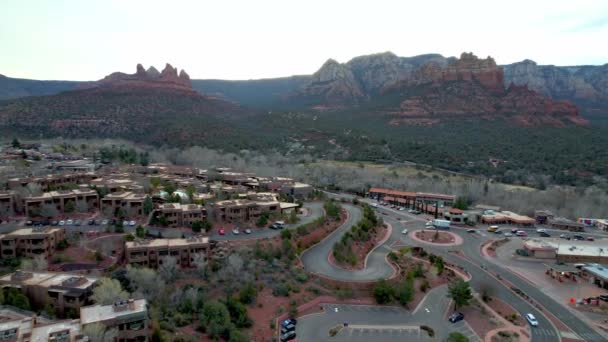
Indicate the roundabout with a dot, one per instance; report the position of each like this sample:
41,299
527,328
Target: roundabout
436,237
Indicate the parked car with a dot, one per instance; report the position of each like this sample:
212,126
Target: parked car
61,223
507,234
531,319
236,231
578,237
54,223
29,223
456,316
91,222
288,336
69,222
222,232
287,328
471,231
544,234
401,209
498,232
603,297
417,212
289,321
132,223
404,231
521,233
564,236
125,223
247,231
590,238
104,222
77,223
514,230
540,230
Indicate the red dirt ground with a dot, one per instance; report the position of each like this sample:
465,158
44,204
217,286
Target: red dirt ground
478,319
506,310
429,235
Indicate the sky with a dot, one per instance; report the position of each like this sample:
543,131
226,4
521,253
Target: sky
250,39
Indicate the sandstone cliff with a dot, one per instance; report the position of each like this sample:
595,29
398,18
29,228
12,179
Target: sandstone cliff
167,78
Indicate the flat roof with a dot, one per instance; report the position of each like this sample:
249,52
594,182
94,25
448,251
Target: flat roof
100,313
166,242
598,270
41,333
32,231
125,195
509,215
48,279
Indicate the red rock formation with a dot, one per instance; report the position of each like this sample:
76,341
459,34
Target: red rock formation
168,78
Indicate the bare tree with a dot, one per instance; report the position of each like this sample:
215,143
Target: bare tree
108,291
200,262
82,207
97,332
169,268
48,210
145,282
37,264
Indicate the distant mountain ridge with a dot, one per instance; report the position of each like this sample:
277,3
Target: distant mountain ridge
587,86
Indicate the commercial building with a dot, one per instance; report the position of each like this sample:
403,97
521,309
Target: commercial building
296,189
507,217
129,203
565,224
31,242
62,291
58,201
150,252
181,215
129,318
568,251
423,201
117,183
597,274
243,210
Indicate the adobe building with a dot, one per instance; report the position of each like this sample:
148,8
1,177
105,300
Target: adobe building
129,318
507,217
33,205
150,252
565,224
63,291
31,242
7,203
568,251
53,182
181,215
243,210
296,189
64,331
16,324
130,203
423,201
117,184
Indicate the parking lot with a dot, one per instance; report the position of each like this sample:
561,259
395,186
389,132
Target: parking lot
381,333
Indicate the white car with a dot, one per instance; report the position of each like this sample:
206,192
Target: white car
125,223
132,223
104,222
507,234
62,223
69,222
540,230
401,209
236,231
404,231
531,319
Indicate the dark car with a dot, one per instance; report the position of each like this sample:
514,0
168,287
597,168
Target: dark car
456,316
29,223
514,230
590,238
544,234
288,336
54,223
289,321
578,237
287,329
46,223
91,222
603,297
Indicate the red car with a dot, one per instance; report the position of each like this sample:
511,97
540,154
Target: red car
222,232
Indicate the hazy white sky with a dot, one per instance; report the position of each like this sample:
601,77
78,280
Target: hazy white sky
230,39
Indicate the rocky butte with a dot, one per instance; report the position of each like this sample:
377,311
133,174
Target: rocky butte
428,89
151,78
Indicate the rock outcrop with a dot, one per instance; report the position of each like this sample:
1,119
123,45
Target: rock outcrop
431,88
168,78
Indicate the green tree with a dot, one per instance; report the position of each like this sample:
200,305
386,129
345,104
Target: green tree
206,225
108,291
248,293
383,292
238,313
16,143
263,219
197,226
405,292
460,292
237,336
457,337
69,207
190,191
140,232
148,205
215,319
461,203
332,209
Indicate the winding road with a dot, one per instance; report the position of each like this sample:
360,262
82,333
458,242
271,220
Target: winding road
315,260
